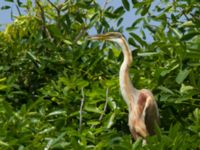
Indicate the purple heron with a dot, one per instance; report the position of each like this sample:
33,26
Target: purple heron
142,107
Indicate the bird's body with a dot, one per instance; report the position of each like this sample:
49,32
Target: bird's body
143,111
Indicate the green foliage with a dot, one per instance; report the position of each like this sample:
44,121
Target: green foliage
60,91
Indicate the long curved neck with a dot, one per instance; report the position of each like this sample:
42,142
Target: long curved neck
127,89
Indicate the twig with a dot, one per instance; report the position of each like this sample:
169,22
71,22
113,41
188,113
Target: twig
105,4
104,109
57,9
42,15
18,9
186,16
58,13
105,106
81,108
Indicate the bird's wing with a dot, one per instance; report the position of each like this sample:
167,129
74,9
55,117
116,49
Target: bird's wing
151,115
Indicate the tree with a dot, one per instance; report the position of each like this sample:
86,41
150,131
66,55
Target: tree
60,91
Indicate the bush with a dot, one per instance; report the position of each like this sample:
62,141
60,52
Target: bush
60,91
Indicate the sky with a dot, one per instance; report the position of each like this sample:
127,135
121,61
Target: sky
129,16
5,15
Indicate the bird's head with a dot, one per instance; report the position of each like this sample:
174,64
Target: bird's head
110,36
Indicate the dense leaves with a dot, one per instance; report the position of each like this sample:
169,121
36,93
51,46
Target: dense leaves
60,91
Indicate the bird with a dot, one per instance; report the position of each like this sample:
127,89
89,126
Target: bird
143,114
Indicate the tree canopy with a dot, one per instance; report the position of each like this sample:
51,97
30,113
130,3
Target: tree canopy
60,91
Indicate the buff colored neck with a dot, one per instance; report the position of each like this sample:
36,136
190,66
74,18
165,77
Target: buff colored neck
126,86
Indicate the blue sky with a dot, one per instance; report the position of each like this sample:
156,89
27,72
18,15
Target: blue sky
5,15
129,17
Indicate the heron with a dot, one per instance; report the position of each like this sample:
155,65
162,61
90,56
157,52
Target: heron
143,112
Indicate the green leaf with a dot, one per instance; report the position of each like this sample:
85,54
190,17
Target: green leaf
29,3
182,75
58,139
55,31
94,19
137,144
3,87
55,113
132,42
5,7
150,28
8,108
4,144
9,0
176,32
3,79
61,145
145,9
112,104
82,83
189,36
92,108
47,130
174,130
166,90
137,21
110,15
185,88
187,24
110,121
119,11
148,54
197,114
120,21
67,42
138,39
167,71
126,4
134,2
93,122
32,56
105,23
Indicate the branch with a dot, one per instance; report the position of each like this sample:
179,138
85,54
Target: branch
57,9
185,15
42,15
104,109
81,108
18,9
105,106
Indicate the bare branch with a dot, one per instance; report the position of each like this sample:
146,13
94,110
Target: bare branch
57,9
18,9
42,15
185,15
105,106
81,108
104,109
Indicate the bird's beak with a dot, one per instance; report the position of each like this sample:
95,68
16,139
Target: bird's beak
98,37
